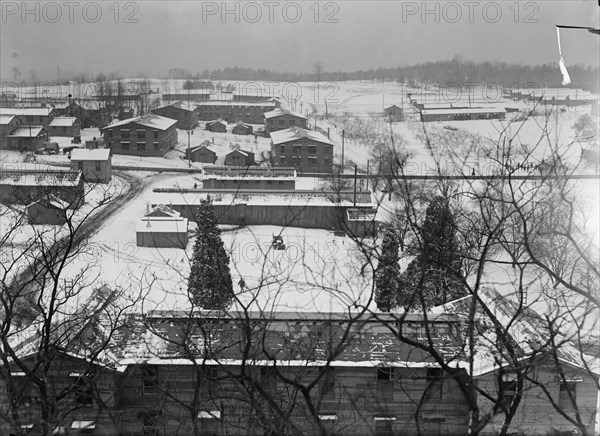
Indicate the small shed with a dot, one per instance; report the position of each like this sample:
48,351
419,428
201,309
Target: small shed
64,126
93,144
162,227
239,157
27,138
242,128
218,126
95,165
202,153
360,222
48,210
394,112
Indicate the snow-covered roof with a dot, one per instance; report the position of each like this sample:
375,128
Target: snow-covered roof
361,214
6,119
243,171
295,133
483,110
27,132
37,112
52,201
528,329
238,150
271,198
157,225
162,211
151,120
234,103
205,144
40,178
83,154
280,112
218,120
63,122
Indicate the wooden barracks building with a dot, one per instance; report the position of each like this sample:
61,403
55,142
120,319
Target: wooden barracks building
306,150
238,373
147,135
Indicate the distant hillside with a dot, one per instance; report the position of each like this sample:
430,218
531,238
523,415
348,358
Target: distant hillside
455,70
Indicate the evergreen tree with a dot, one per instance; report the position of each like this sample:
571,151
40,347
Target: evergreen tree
388,272
434,275
209,284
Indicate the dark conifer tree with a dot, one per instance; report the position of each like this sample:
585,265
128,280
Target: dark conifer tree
388,272
434,276
209,284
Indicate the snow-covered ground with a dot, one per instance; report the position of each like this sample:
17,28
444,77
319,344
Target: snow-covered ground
317,271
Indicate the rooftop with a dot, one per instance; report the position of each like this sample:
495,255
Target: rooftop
482,110
280,112
63,122
296,133
6,119
38,111
82,154
158,225
40,178
27,132
151,120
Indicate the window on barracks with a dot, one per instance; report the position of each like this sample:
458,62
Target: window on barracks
156,134
434,382
508,388
312,149
22,395
297,149
141,146
268,377
83,391
383,427
329,382
150,380
565,400
98,167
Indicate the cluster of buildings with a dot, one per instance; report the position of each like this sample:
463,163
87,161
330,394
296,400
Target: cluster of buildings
569,97
27,129
48,193
435,106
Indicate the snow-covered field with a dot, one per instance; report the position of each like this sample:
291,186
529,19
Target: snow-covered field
317,271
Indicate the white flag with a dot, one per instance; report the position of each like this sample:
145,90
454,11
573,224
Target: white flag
565,73
561,63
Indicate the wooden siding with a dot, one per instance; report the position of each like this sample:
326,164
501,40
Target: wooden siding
149,142
536,415
94,171
304,154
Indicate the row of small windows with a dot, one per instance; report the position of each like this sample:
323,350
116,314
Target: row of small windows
126,133
297,149
140,146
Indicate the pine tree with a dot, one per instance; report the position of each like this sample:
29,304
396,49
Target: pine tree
434,276
388,272
209,284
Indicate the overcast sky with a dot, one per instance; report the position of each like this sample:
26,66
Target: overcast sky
154,36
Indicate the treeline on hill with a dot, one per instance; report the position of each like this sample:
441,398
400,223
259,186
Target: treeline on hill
454,70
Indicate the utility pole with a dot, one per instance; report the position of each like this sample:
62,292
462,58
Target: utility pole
367,179
343,135
355,177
